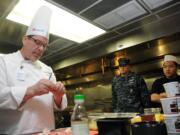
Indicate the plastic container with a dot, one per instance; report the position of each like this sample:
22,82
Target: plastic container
113,126
79,118
173,123
149,111
172,89
171,105
149,128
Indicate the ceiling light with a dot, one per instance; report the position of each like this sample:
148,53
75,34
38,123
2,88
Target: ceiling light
63,23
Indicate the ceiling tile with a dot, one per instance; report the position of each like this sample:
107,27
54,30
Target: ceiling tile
137,24
152,4
74,5
121,15
102,8
170,11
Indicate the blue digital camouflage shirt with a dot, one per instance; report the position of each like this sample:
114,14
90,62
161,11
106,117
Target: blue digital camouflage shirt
129,93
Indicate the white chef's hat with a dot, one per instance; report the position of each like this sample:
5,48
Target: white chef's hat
40,23
170,58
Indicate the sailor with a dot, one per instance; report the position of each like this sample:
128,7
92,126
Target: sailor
129,90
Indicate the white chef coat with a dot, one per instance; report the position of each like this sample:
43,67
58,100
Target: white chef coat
16,74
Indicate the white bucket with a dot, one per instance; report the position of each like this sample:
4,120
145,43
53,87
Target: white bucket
172,88
171,105
173,123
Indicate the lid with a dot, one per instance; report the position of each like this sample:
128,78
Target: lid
172,115
170,98
79,97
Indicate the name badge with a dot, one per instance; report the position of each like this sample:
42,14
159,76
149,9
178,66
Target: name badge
21,75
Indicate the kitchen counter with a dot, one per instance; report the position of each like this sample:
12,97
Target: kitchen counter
62,131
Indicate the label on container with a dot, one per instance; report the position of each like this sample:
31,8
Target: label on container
172,123
80,128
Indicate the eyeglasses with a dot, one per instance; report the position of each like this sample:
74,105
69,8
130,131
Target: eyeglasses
169,66
38,42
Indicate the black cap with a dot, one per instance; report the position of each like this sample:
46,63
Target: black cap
123,62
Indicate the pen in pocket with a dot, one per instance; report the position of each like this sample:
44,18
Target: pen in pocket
50,76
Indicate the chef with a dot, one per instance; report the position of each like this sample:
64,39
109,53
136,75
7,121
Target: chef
170,67
29,92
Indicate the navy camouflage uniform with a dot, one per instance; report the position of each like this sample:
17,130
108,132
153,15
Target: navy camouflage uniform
129,93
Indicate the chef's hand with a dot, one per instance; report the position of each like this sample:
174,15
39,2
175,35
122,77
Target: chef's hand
42,87
58,92
59,89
